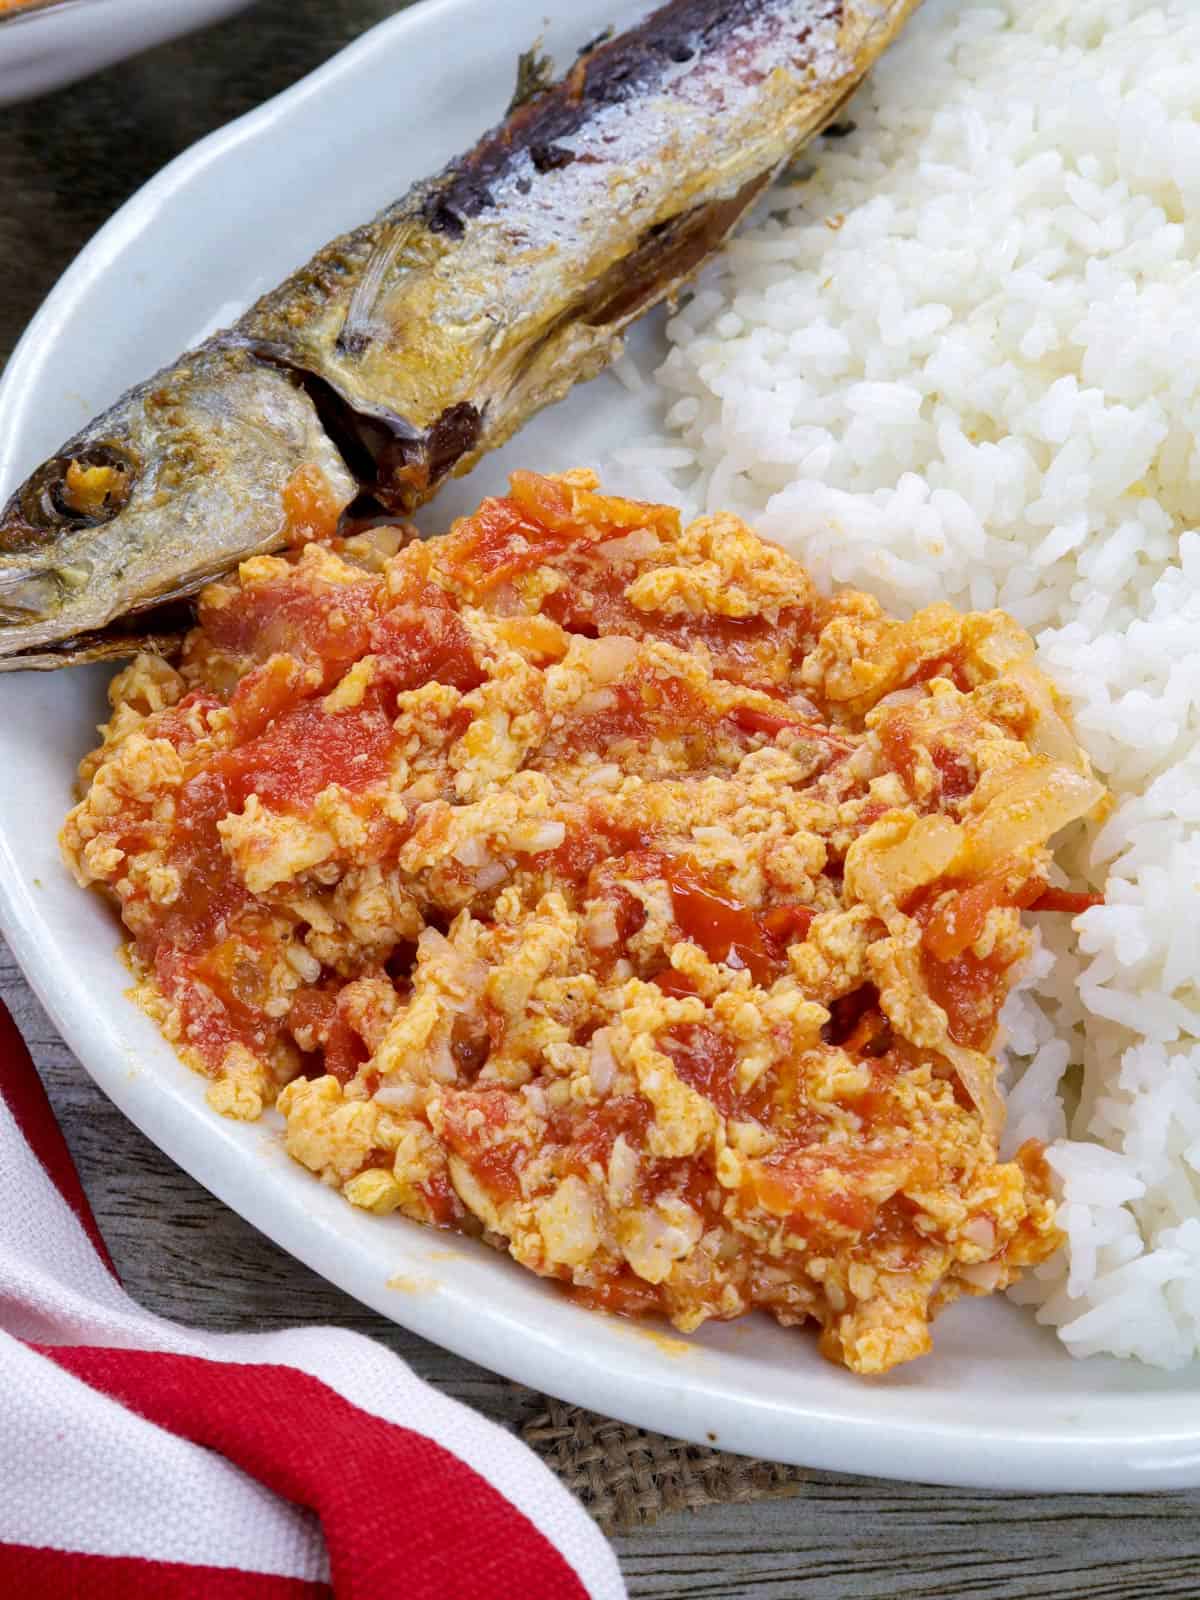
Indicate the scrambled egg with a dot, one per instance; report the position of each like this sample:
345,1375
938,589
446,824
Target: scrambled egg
593,885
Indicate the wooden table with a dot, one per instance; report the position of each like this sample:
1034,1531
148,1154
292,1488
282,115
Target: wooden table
65,164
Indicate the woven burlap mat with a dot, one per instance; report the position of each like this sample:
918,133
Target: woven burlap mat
627,1477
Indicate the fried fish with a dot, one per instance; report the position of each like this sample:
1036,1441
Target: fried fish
407,348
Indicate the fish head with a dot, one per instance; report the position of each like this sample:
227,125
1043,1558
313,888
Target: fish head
185,476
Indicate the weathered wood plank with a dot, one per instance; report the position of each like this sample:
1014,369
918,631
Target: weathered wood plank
864,1541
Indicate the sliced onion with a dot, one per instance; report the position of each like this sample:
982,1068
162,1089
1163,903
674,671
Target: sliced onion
632,547
884,867
440,1062
490,876
900,697
472,852
399,1096
537,835
1031,803
976,1072
981,1231
596,700
611,658
600,928
1050,735
1003,647
602,1064
984,1275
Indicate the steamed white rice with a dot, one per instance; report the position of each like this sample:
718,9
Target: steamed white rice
962,361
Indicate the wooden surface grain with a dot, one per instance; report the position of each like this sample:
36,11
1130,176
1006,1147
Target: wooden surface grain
65,164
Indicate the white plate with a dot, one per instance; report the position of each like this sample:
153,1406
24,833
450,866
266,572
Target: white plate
999,1404
55,42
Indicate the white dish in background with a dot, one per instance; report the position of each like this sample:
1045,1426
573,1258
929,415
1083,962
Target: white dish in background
1000,1404
55,42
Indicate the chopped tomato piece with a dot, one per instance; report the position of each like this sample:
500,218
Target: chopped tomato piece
815,1186
752,719
310,1014
505,538
818,1185
476,1123
786,924
954,772
724,928
956,925
306,750
315,1016
639,708
318,622
425,642
623,1294
310,508
498,1169
970,991
544,500
1067,900
590,1135
707,1061
951,665
264,692
902,736
445,1208
676,984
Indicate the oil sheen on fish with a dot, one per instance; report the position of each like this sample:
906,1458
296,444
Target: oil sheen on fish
406,349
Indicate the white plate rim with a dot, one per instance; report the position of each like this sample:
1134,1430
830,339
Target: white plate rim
656,1382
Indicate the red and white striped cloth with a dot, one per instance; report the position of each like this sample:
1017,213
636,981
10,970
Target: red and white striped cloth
138,1457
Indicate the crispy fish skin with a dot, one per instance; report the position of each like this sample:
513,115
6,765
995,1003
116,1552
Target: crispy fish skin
406,349
488,292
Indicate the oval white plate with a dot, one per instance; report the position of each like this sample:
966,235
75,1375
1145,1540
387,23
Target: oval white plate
55,42
999,1404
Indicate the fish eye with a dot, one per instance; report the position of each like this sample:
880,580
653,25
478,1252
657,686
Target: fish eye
82,490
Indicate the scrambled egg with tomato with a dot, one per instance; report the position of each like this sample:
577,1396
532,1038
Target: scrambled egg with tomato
593,885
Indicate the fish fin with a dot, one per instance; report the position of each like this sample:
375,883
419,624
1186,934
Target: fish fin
602,37
535,75
87,647
359,327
